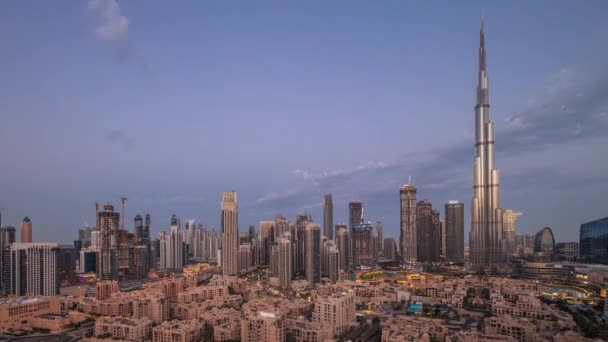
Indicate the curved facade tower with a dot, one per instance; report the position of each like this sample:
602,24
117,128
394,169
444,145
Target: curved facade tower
485,241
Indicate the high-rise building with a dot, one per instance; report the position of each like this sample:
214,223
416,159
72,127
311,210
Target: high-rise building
342,244
544,243
26,230
355,214
454,231
567,251
32,268
281,225
509,217
428,227
301,222
594,241
390,249
380,232
485,240
407,234
328,216
138,225
284,262
313,253
147,223
274,259
176,249
7,237
245,262
337,311
334,263
324,262
107,224
267,236
362,245
230,232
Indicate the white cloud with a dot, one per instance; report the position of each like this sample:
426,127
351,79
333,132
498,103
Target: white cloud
113,25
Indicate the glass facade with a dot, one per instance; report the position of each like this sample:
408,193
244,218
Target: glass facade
594,241
544,242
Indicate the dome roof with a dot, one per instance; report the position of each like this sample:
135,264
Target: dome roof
26,219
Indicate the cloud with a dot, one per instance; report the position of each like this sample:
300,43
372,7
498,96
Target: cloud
113,29
119,136
532,146
113,25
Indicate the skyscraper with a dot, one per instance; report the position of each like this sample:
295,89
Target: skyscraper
107,224
407,233
390,249
334,263
509,217
428,226
26,230
230,233
147,222
284,262
7,237
361,245
313,253
485,239
32,269
301,222
266,239
138,224
454,231
342,244
176,245
355,214
380,232
328,216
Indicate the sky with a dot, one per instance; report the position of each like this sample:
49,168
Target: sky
284,101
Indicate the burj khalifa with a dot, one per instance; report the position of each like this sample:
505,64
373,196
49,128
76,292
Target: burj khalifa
485,240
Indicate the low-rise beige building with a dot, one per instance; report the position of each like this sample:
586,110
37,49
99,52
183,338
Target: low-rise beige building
178,331
519,328
18,312
105,288
129,329
413,328
336,311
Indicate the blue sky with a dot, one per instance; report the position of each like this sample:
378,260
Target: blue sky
284,101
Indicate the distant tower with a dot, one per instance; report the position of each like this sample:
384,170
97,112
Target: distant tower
230,233
37,266
380,232
509,217
267,233
485,239
284,261
454,231
108,223
176,247
328,216
26,230
334,263
313,253
342,244
407,234
138,223
147,222
355,214
362,245
428,227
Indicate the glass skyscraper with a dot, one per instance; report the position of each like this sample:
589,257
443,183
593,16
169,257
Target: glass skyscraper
594,241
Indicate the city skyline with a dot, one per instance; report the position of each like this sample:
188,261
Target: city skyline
549,105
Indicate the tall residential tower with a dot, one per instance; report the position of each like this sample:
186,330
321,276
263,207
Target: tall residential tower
485,239
230,233
407,233
328,216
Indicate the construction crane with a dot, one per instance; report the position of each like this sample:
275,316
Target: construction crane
123,239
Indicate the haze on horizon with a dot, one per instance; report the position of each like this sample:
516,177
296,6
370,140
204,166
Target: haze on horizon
285,102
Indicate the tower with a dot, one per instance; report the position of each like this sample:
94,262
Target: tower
230,232
428,237
284,262
26,230
342,244
485,239
407,233
108,224
509,217
454,231
328,216
313,253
